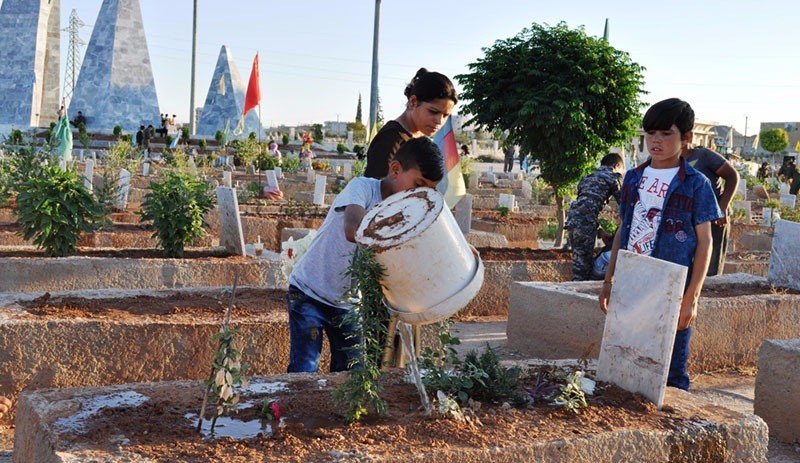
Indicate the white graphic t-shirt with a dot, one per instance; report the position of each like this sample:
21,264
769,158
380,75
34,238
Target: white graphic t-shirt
647,211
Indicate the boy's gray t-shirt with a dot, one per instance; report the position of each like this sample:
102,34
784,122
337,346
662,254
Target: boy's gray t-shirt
320,271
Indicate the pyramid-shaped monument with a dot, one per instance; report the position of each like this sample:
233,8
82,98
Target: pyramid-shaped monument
225,100
115,85
29,52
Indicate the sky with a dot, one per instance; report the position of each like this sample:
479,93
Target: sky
736,62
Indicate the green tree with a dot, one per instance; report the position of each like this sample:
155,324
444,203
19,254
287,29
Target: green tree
316,132
774,140
562,96
358,110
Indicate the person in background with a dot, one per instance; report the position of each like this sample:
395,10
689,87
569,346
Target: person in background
318,284
431,97
509,151
764,172
140,137
582,222
464,151
79,119
724,180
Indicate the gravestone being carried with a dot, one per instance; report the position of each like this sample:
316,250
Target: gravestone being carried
640,326
463,213
231,236
784,266
319,190
123,190
115,85
88,175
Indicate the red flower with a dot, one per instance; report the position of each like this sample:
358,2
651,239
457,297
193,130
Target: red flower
290,253
276,410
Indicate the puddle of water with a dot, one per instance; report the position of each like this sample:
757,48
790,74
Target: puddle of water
91,405
262,387
234,428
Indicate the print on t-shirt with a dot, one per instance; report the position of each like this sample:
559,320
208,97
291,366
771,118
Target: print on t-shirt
647,211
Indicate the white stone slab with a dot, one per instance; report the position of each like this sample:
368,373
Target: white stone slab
741,189
192,166
640,326
272,178
227,178
88,175
230,223
506,200
789,200
319,190
311,175
527,190
784,265
145,169
463,213
123,190
784,188
278,172
347,170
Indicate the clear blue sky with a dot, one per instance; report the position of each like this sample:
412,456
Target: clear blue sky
728,59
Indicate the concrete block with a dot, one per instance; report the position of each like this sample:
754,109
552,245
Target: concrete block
482,239
777,399
784,266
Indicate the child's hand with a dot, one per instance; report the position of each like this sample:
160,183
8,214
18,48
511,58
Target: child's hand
5,405
605,293
688,312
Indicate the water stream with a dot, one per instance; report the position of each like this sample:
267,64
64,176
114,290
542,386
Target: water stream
407,338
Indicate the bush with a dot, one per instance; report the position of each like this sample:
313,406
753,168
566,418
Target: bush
266,162
176,207
340,148
117,131
292,164
16,137
184,133
285,139
219,136
53,208
202,143
549,231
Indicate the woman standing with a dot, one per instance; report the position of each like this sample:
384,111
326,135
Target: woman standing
431,97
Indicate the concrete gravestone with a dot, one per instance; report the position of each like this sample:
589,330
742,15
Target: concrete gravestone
88,175
311,175
741,189
747,208
507,200
347,170
463,213
124,189
272,178
640,327
527,190
231,236
788,200
784,266
319,190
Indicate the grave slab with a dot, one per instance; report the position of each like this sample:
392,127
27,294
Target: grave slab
563,320
123,190
463,213
777,395
640,325
231,236
717,435
784,265
319,190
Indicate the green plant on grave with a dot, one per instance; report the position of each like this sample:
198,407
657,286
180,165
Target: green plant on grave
227,369
340,148
117,131
466,168
548,231
175,208
266,162
15,138
292,164
559,387
503,210
202,143
360,394
255,189
247,151
16,166
791,214
738,215
53,208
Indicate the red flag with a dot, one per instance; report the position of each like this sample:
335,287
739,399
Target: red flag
253,90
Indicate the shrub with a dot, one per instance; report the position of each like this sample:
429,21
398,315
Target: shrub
117,131
292,164
176,207
285,139
340,148
53,208
549,231
219,136
16,137
202,143
184,133
266,162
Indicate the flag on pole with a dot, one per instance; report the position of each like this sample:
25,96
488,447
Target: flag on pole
63,134
252,97
452,185
175,141
224,142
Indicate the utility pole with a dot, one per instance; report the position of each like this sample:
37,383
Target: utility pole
373,97
73,55
744,143
192,121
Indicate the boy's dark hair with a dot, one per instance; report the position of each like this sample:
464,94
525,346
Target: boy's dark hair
663,114
611,160
428,86
423,154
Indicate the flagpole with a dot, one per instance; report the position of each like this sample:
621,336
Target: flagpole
260,127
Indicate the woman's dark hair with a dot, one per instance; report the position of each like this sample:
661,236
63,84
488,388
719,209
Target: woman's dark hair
428,86
425,155
663,114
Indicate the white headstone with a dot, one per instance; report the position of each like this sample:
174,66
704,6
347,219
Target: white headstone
784,266
231,236
278,172
741,189
310,175
349,141
319,190
227,178
748,210
474,178
347,170
192,166
506,200
770,216
527,190
272,179
491,176
640,326
88,174
124,189
784,188
789,200
463,213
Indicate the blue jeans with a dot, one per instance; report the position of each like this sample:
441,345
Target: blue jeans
308,318
678,377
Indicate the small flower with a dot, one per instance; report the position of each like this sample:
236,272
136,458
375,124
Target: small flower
276,410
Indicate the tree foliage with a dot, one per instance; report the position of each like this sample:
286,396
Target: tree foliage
358,111
562,96
774,140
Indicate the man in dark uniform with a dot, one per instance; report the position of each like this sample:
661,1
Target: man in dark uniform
594,191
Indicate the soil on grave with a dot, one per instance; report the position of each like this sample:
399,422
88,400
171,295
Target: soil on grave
248,302
515,254
131,253
314,430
